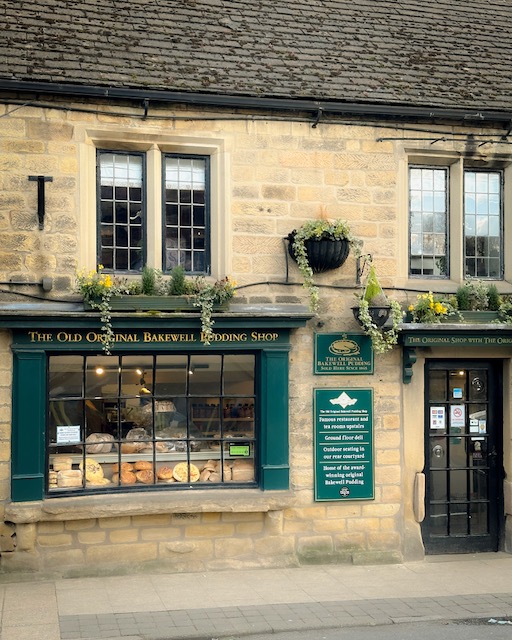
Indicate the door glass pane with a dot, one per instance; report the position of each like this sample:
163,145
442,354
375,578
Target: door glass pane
457,384
477,385
439,519
459,519
479,522
458,484
478,487
458,452
438,485
437,386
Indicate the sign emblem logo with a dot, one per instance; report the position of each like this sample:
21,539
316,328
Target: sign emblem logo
344,400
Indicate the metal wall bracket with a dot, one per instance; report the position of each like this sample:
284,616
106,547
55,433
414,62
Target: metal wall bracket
361,263
40,196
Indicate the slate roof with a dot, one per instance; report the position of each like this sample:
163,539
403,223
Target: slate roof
445,53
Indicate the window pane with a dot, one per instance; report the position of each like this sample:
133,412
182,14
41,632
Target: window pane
483,237
186,183
121,202
428,211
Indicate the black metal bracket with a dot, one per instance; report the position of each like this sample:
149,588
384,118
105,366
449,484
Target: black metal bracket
319,115
40,196
361,264
145,104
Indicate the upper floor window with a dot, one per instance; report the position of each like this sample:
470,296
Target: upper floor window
124,223
440,218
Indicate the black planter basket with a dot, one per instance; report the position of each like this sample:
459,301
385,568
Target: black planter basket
379,315
323,254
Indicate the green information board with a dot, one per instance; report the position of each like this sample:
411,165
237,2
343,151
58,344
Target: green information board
344,467
343,354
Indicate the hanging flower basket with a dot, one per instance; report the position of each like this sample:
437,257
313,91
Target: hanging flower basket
323,254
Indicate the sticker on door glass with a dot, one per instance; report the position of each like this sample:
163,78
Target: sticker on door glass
473,425
457,392
437,418
482,426
457,415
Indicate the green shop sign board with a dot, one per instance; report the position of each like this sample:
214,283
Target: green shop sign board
343,354
344,468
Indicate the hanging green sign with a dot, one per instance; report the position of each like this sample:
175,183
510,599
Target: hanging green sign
343,354
344,468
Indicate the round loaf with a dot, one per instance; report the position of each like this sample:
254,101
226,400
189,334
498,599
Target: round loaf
164,473
181,472
125,466
93,470
146,476
214,477
141,465
127,477
205,475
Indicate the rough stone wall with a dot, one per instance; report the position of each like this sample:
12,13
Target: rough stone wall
281,174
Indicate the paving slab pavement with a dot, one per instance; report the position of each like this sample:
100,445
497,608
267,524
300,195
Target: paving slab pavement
233,604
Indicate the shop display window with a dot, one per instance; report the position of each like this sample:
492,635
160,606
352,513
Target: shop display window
132,422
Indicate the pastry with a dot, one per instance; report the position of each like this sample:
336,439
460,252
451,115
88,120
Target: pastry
214,477
211,465
205,475
125,466
164,473
69,478
145,476
181,472
61,463
140,465
93,470
127,477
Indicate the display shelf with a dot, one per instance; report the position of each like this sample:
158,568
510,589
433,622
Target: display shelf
173,456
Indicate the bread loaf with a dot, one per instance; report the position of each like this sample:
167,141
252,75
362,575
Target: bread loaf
141,465
62,463
146,476
93,470
125,466
99,443
243,471
164,473
127,477
181,472
69,478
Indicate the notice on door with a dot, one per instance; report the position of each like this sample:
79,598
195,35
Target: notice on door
344,468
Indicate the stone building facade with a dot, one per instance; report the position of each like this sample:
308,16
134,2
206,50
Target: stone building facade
270,169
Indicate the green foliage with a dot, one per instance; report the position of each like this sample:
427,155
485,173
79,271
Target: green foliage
373,289
98,289
177,284
149,281
383,337
493,298
475,295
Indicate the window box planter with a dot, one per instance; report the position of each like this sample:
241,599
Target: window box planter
157,303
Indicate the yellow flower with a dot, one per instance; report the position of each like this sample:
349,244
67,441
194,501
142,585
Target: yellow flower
411,307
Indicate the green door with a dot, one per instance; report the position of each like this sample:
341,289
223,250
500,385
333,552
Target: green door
463,456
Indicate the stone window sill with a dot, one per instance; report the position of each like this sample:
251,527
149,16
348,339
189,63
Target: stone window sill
108,506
